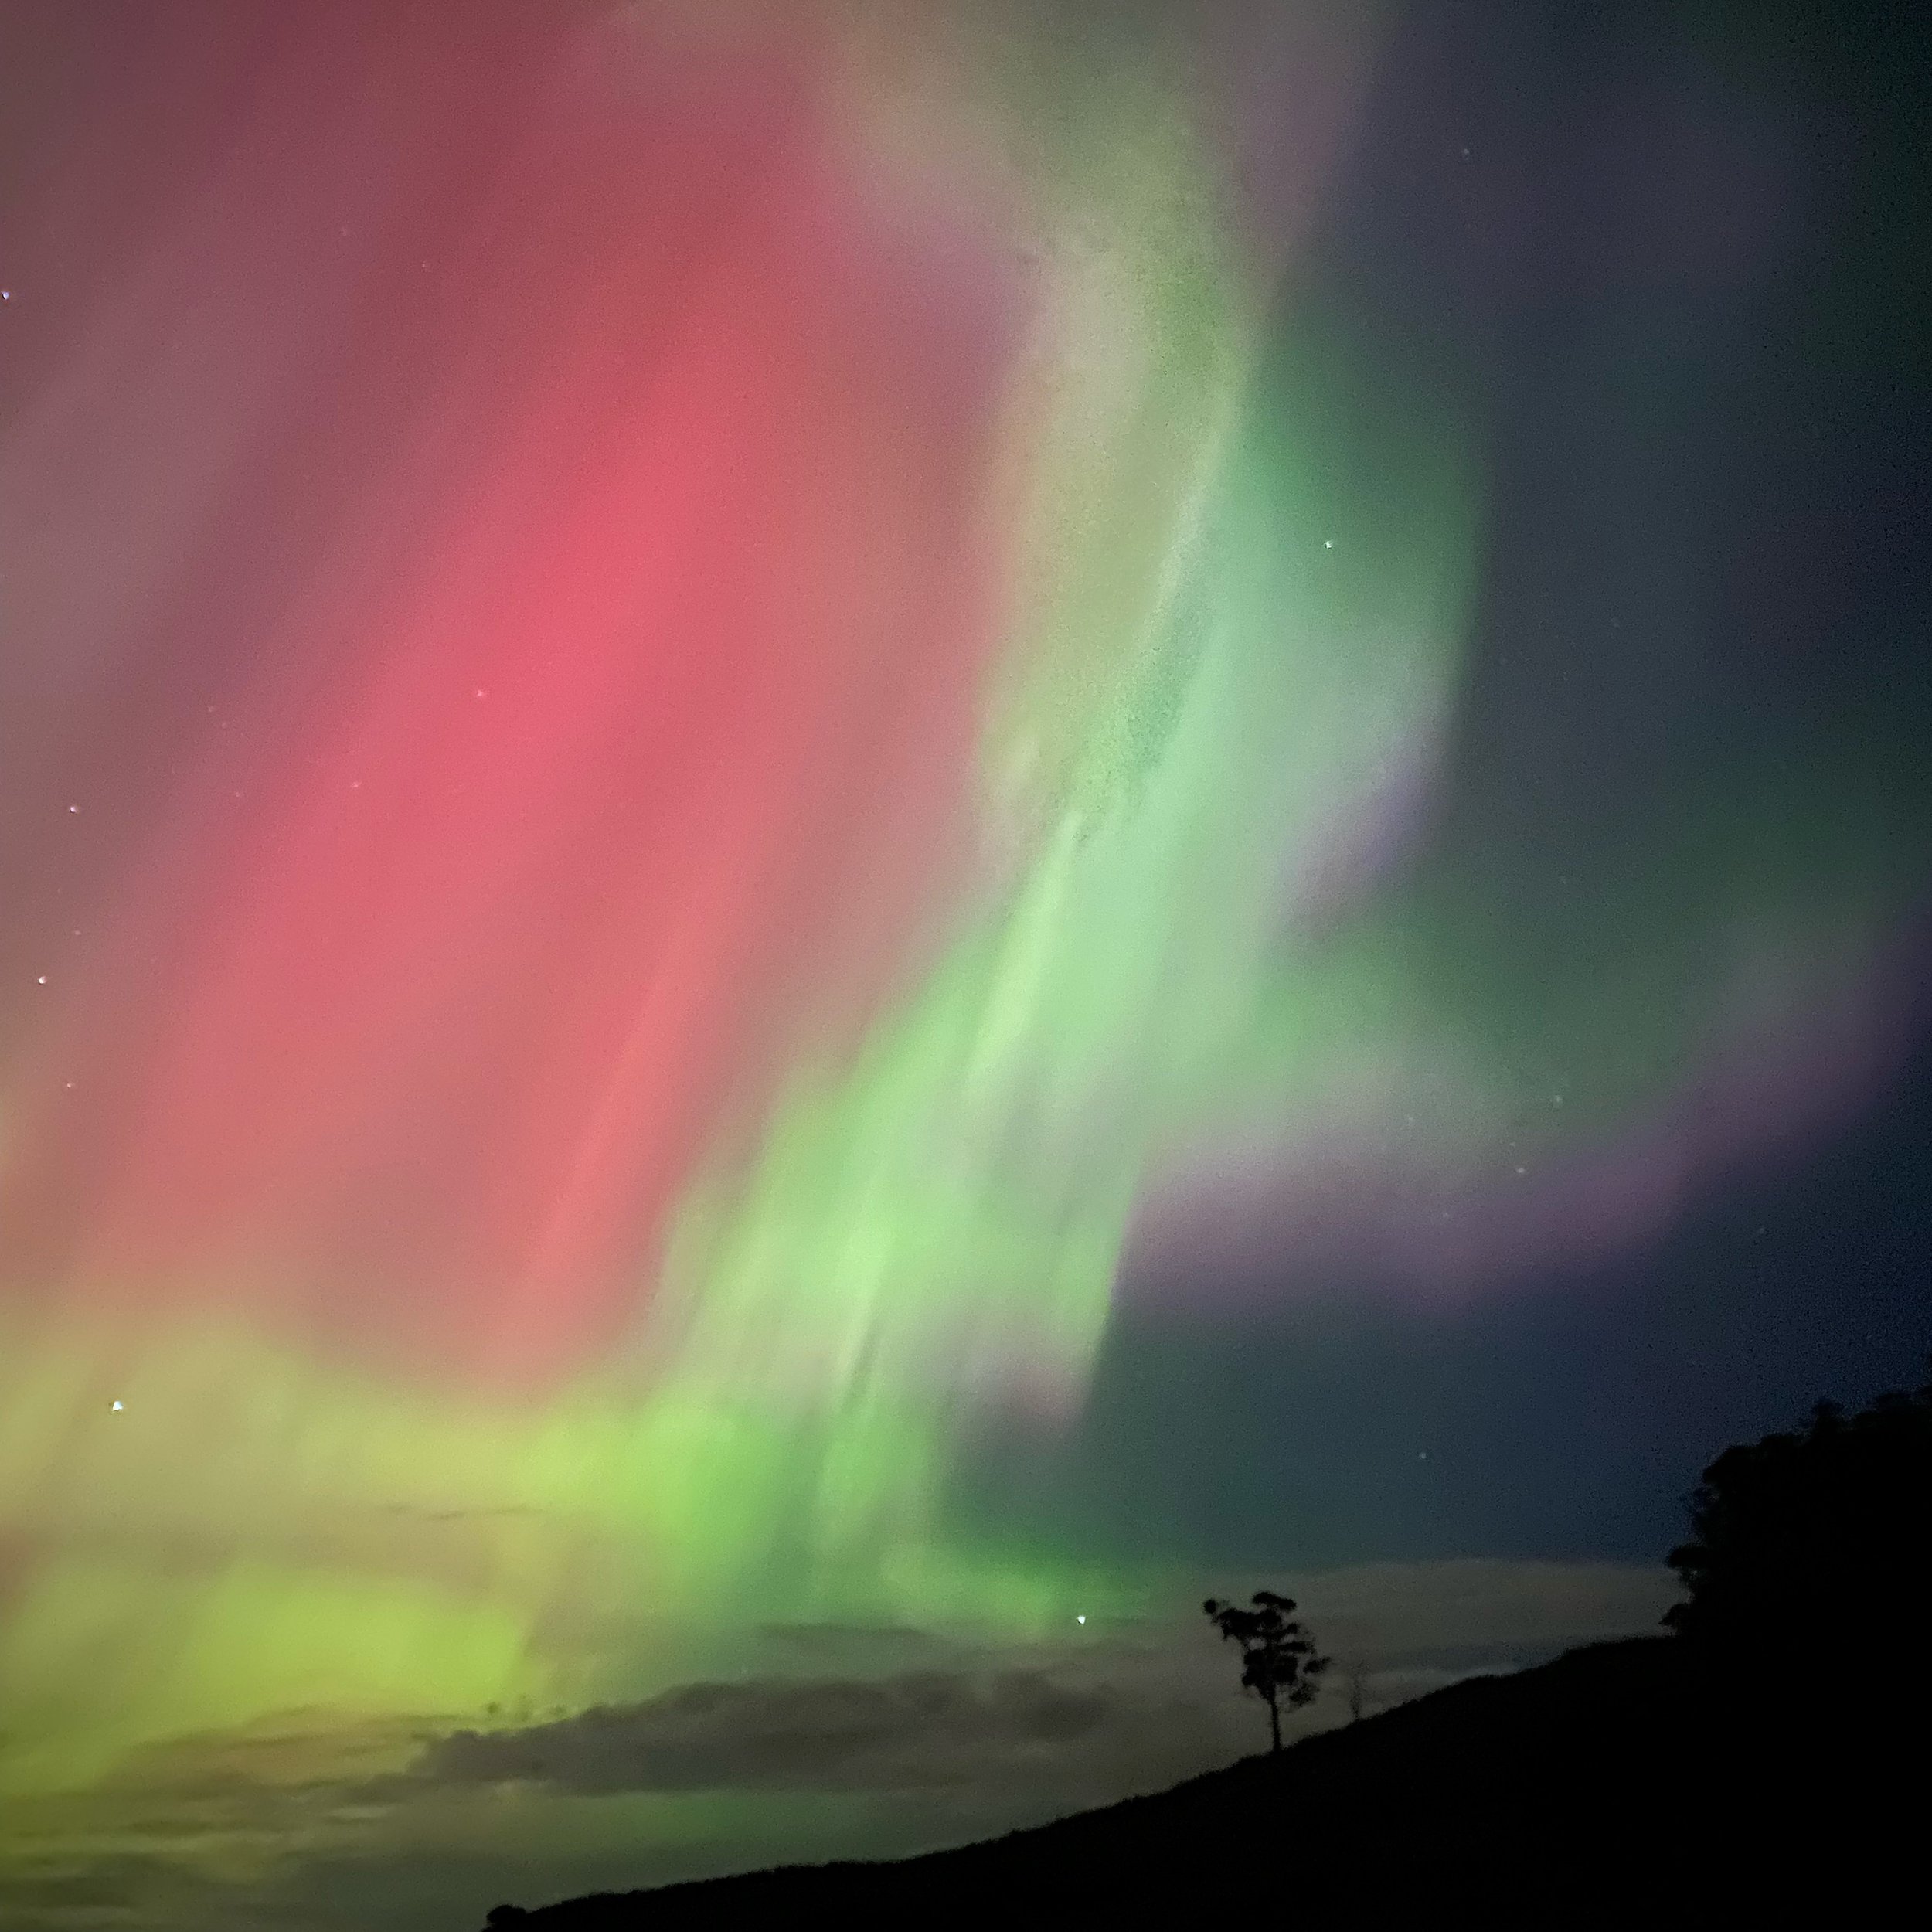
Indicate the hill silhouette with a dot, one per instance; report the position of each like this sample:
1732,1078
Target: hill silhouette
1621,1778
1766,1763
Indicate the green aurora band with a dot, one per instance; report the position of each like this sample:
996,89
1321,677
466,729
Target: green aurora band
1226,638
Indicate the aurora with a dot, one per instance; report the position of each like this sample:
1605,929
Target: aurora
717,721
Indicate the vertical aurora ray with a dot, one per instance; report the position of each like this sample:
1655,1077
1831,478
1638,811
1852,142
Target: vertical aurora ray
725,902
942,1224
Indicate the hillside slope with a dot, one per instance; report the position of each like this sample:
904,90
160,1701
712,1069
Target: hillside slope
1610,1781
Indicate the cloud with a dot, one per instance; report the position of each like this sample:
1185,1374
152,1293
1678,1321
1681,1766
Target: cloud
1117,1710
113,1893
918,1729
837,1740
1481,1612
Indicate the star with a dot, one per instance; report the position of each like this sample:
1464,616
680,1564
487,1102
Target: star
117,1408
1080,1620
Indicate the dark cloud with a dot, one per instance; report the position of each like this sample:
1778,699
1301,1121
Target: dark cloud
920,1728
1116,1710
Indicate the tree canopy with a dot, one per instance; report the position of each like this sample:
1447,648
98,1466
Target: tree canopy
1279,1661
1817,1543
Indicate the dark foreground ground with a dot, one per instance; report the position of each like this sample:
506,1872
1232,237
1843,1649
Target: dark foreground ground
1614,1786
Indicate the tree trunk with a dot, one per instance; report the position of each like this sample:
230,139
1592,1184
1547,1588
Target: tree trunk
1275,1725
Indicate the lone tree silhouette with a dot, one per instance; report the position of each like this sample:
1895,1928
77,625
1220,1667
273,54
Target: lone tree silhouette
1819,1541
1278,1659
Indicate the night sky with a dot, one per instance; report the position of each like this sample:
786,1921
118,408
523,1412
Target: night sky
833,848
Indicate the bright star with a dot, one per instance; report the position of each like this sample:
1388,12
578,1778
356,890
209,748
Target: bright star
1080,1620
116,1406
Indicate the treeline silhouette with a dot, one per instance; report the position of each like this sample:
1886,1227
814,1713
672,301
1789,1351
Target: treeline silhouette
1762,1765
1818,1545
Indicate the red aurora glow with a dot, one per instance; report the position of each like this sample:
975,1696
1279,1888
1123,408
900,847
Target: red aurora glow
562,523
